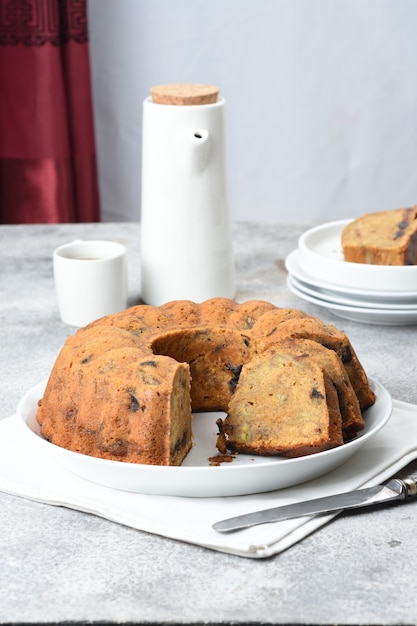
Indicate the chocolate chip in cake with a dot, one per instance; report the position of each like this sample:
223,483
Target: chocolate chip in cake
235,369
134,404
315,393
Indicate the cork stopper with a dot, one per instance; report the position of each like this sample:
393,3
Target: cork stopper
184,94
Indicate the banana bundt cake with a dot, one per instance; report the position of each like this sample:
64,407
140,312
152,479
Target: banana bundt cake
124,387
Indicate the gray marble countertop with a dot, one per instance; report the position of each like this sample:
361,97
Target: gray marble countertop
59,565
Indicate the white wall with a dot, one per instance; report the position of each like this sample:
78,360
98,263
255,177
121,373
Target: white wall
321,98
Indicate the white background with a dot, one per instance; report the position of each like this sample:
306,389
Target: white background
321,99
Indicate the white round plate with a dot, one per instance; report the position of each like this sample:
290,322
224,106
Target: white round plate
385,317
293,265
351,301
246,474
321,255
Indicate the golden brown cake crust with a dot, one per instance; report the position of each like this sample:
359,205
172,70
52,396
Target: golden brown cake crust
383,238
101,400
122,387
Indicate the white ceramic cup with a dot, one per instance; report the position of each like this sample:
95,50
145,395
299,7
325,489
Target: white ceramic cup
90,280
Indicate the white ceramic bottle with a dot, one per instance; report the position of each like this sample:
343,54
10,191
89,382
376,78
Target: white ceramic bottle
186,244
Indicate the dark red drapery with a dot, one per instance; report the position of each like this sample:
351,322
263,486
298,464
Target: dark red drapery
47,149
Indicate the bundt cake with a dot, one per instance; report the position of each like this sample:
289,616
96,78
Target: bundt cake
124,387
382,238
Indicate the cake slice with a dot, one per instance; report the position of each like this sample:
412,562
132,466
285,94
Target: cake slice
352,420
331,337
282,405
383,238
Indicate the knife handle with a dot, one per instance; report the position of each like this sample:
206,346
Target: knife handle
410,485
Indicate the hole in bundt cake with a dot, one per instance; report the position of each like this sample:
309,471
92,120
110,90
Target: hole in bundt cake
215,357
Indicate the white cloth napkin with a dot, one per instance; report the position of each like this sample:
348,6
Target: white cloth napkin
25,473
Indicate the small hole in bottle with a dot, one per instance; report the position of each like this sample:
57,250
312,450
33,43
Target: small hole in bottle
198,135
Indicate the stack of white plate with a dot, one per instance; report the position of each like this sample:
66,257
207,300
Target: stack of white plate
374,294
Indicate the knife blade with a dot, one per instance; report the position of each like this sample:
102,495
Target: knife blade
395,489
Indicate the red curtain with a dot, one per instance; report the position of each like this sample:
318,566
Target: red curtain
47,151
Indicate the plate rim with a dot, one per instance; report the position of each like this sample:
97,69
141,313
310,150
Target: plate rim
294,258
360,306
351,309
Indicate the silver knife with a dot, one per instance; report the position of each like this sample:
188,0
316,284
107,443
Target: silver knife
395,489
